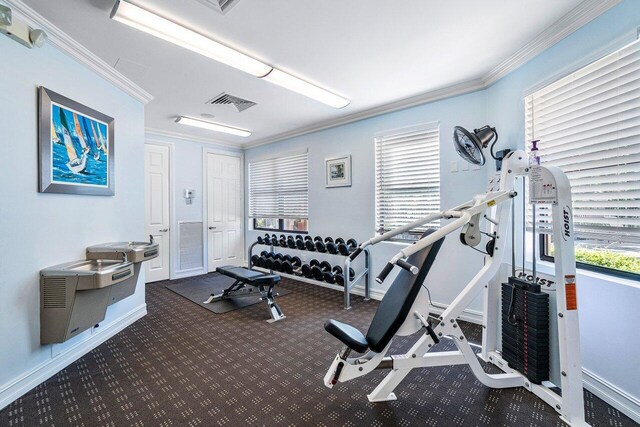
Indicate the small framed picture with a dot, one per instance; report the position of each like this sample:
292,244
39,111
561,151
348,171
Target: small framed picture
338,171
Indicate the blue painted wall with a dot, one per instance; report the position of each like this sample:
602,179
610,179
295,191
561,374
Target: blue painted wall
609,314
40,230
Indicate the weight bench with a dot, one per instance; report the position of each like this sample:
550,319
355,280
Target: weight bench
249,283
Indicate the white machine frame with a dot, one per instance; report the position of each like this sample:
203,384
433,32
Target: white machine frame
547,185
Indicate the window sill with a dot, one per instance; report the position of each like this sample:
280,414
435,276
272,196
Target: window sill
547,267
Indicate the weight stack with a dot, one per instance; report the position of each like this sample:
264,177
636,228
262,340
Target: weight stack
525,329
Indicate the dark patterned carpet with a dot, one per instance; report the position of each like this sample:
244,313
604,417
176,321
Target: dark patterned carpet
182,365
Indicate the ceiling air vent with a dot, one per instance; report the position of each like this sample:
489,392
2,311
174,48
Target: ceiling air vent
221,6
236,103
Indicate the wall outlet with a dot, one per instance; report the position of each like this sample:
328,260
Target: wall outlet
454,166
465,166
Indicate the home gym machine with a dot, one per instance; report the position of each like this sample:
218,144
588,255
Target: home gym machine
404,310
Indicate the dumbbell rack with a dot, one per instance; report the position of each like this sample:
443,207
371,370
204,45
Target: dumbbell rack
348,282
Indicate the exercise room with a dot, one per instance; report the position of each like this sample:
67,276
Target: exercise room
320,213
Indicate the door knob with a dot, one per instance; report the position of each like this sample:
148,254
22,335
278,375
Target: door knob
164,230
212,228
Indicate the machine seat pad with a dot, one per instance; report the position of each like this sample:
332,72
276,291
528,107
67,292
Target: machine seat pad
350,336
250,277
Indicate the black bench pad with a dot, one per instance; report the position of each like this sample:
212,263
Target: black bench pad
350,336
250,277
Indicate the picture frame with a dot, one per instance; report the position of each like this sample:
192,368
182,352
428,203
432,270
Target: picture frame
75,147
338,171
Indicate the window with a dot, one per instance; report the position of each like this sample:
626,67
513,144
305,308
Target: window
279,193
407,178
588,124
276,224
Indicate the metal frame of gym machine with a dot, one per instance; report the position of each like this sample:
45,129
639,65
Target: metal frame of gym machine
548,185
348,283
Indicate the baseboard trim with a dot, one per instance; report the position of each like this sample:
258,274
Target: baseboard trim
16,388
619,399
188,273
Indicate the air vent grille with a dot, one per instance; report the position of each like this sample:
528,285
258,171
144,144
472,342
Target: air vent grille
221,6
239,104
191,246
54,292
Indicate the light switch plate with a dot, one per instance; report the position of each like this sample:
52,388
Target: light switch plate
454,166
465,166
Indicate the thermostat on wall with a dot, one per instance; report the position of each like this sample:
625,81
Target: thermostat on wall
189,195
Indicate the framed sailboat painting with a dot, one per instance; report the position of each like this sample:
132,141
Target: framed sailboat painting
76,147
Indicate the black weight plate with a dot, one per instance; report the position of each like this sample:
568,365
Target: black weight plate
287,267
332,248
343,249
328,277
306,271
317,273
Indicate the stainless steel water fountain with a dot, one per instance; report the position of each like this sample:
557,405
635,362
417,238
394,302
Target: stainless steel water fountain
74,296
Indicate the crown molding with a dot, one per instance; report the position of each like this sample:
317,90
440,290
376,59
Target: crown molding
582,14
71,47
151,133
573,20
424,98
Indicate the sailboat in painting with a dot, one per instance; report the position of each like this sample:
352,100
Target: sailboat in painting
54,136
75,164
103,145
98,142
80,135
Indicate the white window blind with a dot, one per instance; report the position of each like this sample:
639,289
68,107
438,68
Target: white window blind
588,124
407,177
278,188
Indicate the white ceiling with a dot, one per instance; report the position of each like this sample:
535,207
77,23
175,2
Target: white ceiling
374,52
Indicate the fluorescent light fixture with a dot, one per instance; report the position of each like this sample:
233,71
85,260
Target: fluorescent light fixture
295,84
165,29
155,25
212,126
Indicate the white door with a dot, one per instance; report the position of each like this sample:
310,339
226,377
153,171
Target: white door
156,190
224,210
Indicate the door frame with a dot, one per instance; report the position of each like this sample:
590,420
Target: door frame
205,201
173,249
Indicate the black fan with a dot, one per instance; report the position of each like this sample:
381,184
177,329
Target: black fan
470,145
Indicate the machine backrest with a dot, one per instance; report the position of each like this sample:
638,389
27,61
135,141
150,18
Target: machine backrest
402,293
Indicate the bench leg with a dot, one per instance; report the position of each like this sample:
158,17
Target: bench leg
274,309
238,289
